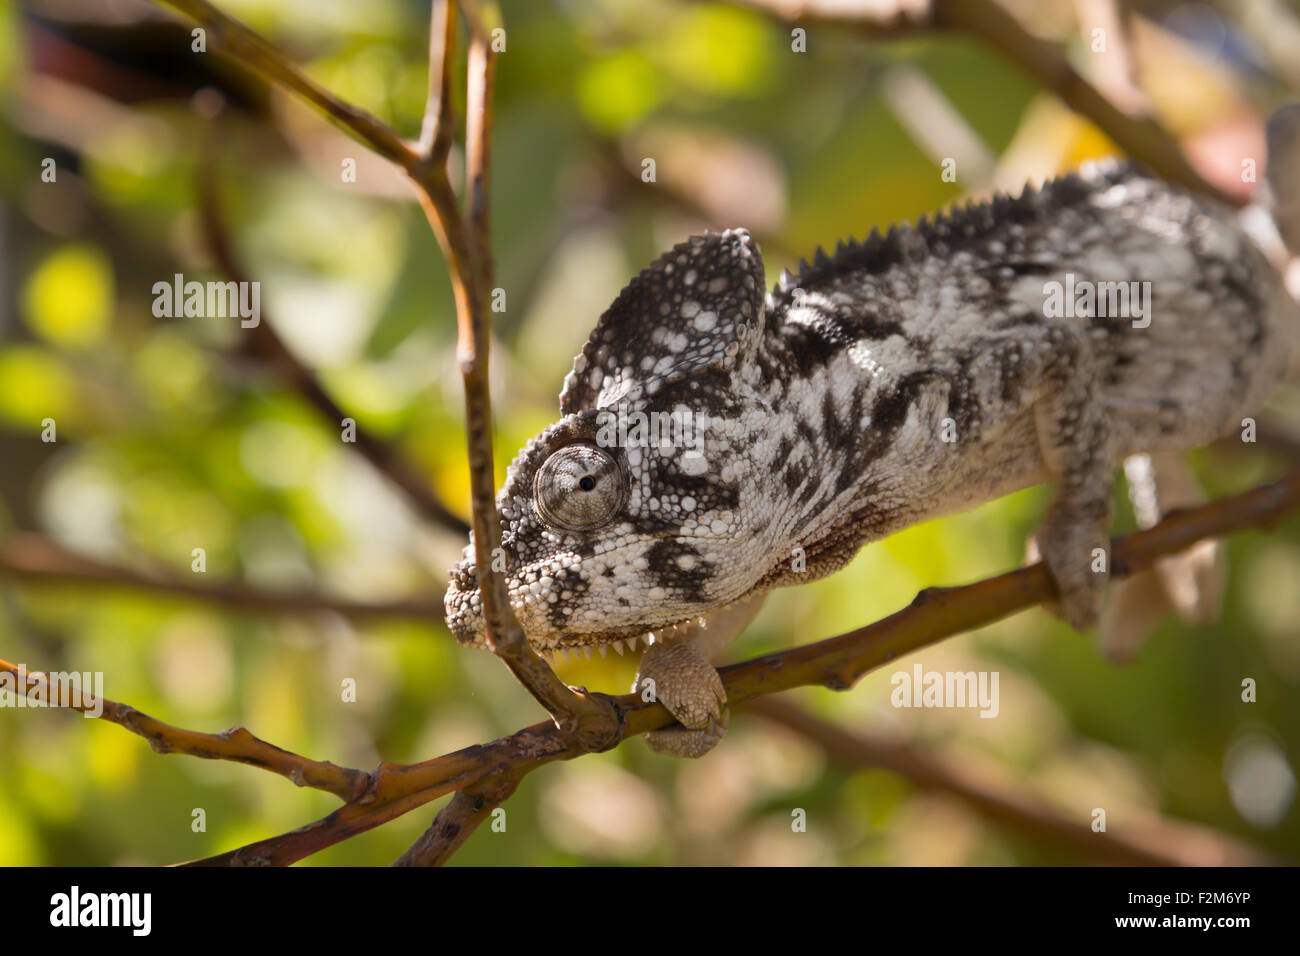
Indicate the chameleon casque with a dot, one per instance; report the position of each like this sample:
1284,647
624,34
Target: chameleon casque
903,377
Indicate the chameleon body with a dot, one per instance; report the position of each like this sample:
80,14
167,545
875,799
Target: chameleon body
903,377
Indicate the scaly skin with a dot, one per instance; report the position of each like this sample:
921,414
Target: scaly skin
902,378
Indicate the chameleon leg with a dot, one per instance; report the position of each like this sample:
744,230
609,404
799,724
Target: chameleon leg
1047,370
1074,442
688,685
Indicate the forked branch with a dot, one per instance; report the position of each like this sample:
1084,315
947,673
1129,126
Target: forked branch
837,663
484,775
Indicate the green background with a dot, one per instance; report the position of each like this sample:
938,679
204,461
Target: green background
165,444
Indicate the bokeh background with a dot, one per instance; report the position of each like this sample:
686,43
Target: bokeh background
171,436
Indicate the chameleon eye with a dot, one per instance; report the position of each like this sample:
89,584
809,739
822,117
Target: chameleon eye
579,487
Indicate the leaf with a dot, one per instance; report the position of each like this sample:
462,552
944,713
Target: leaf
68,298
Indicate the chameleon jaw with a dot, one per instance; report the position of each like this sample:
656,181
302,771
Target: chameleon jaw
582,645
465,620
577,645
464,617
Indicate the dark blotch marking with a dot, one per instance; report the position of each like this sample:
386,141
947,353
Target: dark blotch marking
566,579
782,454
794,478
687,584
810,347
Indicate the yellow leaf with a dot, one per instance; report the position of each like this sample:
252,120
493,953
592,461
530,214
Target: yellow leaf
34,385
68,299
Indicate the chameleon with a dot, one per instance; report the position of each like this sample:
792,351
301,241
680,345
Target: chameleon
903,377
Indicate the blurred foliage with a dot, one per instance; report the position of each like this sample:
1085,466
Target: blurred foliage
167,443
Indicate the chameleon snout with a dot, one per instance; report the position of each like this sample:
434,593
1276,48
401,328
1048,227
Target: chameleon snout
463,605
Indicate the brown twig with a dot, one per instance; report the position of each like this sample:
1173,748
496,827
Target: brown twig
37,560
1157,842
297,376
437,129
836,663
235,744
584,722
253,53
398,789
1115,73
465,245
991,22
457,820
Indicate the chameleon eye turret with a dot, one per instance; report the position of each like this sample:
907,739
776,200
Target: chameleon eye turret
579,487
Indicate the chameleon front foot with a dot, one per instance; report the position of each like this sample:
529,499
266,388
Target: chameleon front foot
1077,556
680,677
679,741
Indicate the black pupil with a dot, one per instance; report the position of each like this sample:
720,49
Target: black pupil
587,483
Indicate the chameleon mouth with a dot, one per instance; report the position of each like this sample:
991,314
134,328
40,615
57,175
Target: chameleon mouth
581,646
465,621
576,646
463,609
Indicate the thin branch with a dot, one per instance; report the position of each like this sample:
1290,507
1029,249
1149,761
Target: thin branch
466,248
1140,137
836,663
296,375
878,19
1157,843
235,744
481,69
37,560
437,131
589,716
457,820
397,789
582,722
1115,73
247,49
993,23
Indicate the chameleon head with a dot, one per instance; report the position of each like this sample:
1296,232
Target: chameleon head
623,518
